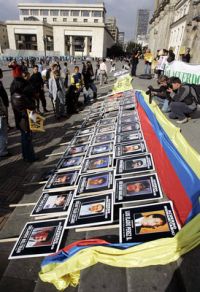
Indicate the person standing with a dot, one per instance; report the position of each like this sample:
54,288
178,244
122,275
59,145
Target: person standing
103,72
20,104
89,83
37,83
66,74
16,69
148,59
57,94
4,103
186,57
134,63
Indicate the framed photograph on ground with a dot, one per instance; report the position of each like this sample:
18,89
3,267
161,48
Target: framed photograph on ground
102,138
128,113
128,120
91,211
137,188
78,140
100,149
76,150
39,239
83,132
129,136
128,107
70,162
62,181
95,164
94,183
133,148
111,115
107,121
105,129
128,127
147,222
134,164
50,203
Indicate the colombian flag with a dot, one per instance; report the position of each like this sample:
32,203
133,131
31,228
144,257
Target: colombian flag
178,168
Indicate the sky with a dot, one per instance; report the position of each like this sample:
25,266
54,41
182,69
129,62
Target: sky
125,11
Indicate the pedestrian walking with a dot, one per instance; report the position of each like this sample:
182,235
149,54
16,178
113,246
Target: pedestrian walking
103,72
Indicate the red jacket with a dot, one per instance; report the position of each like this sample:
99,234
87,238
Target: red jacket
16,70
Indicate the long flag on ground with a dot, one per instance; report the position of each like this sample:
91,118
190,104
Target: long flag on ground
177,165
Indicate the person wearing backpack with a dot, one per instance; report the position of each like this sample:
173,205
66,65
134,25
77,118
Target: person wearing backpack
183,100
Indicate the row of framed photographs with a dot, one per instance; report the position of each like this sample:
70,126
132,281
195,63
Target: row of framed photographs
140,223
83,185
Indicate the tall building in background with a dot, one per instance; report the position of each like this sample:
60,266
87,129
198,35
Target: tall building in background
121,38
3,37
142,22
111,25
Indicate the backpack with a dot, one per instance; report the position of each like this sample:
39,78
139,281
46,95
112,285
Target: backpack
196,95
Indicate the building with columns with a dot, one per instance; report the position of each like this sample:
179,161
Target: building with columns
176,24
69,29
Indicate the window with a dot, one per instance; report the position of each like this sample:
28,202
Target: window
44,19
75,13
64,19
85,13
75,19
85,20
96,13
44,12
54,12
96,20
34,12
54,19
24,12
64,12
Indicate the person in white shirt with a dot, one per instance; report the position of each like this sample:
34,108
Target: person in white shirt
103,72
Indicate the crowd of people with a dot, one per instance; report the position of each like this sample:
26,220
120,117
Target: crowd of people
27,92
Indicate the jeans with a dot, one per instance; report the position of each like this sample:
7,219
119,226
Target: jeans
179,110
27,146
147,68
3,136
163,104
103,77
133,69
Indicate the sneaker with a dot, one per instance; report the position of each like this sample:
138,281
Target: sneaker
182,121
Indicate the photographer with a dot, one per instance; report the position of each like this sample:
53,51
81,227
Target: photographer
161,94
183,103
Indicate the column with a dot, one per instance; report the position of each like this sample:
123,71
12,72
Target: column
71,50
86,46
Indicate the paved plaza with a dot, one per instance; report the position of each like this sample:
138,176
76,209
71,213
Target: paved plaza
17,181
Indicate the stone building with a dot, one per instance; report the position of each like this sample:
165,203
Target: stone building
175,24
3,37
70,29
111,25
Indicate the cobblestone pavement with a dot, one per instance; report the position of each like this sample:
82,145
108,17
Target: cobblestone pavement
15,179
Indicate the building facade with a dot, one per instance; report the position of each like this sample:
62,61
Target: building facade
3,37
70,29
175,24
111,25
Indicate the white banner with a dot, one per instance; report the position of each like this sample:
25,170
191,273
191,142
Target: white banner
186,72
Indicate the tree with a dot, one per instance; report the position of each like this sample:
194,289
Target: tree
131,46
115,51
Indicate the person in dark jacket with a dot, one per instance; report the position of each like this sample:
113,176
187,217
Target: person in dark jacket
161,94
20,103
89,77
134,62
38,85
186,57
183,102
